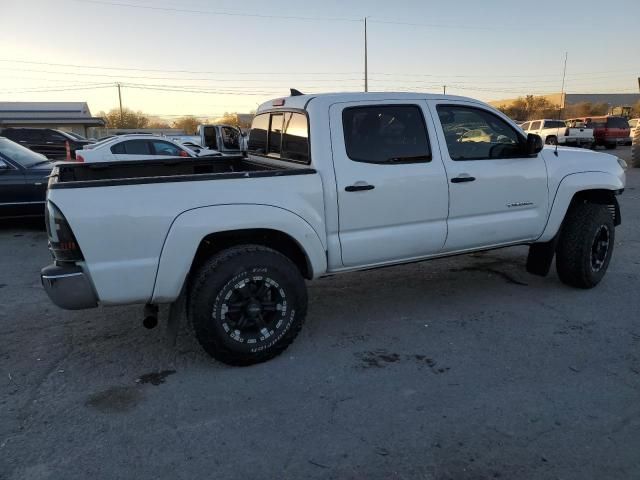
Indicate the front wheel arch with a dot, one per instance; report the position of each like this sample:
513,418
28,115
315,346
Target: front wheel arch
599,197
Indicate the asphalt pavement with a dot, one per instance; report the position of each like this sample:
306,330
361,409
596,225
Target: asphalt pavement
455,369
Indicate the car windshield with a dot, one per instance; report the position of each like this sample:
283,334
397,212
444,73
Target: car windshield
73,135
19,154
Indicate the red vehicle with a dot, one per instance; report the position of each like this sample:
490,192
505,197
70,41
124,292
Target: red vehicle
608,130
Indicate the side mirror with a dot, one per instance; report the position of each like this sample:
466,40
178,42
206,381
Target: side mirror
534,144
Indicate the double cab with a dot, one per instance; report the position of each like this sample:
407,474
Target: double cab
332,183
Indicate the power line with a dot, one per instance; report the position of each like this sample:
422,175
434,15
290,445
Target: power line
329,83
598,74
164,70
211,12
62,89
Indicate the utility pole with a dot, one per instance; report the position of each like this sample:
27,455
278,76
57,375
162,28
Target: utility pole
444,89
120,100
366,73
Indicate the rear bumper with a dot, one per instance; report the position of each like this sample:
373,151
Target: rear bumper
580,141
68,287
612,141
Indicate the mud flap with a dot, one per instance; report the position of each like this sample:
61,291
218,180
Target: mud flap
177,311
540,257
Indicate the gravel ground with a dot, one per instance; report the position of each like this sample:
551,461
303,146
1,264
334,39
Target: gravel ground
462,368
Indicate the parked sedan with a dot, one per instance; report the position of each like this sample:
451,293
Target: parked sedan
23,180
134,147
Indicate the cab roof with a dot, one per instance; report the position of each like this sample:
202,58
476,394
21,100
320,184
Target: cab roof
301,101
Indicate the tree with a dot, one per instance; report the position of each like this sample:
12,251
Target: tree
158,123
530,108
128,119
228,119
188,123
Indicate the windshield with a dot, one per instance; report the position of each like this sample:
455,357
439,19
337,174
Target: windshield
73,135
19,154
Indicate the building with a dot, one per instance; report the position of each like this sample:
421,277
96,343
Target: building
69,116
611,99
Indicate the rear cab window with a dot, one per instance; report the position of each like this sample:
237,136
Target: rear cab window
386,134
282,135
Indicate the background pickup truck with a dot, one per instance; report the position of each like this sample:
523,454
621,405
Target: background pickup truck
560,132
333,183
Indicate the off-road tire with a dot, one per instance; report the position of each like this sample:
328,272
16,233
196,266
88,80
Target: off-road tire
551,140
231,271
575,250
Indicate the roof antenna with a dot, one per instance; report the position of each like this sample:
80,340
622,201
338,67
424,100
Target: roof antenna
295,93
562,101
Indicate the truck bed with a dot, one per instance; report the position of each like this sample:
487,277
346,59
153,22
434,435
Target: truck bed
78,175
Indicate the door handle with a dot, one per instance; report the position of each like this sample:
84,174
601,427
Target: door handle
358,187
463,178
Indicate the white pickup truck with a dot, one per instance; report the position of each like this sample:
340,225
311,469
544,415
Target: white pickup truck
333,183
559,132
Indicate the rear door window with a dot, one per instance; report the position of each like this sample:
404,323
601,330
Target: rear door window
617,122
135,147
386,134
161,147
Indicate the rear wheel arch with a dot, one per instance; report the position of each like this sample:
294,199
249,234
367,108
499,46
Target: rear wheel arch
275,239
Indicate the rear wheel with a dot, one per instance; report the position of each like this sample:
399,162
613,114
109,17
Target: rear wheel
585,245
247,304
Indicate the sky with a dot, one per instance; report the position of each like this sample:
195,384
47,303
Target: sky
204,58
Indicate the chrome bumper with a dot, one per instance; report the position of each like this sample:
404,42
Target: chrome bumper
68,287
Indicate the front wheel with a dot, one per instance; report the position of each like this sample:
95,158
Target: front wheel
552,140
585,245
247,304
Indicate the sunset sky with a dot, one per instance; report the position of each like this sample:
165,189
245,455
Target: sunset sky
208,57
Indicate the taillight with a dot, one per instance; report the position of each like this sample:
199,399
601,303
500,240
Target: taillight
79,158
62,242
68,149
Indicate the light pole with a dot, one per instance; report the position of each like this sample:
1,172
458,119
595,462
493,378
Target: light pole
120,100
366,73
